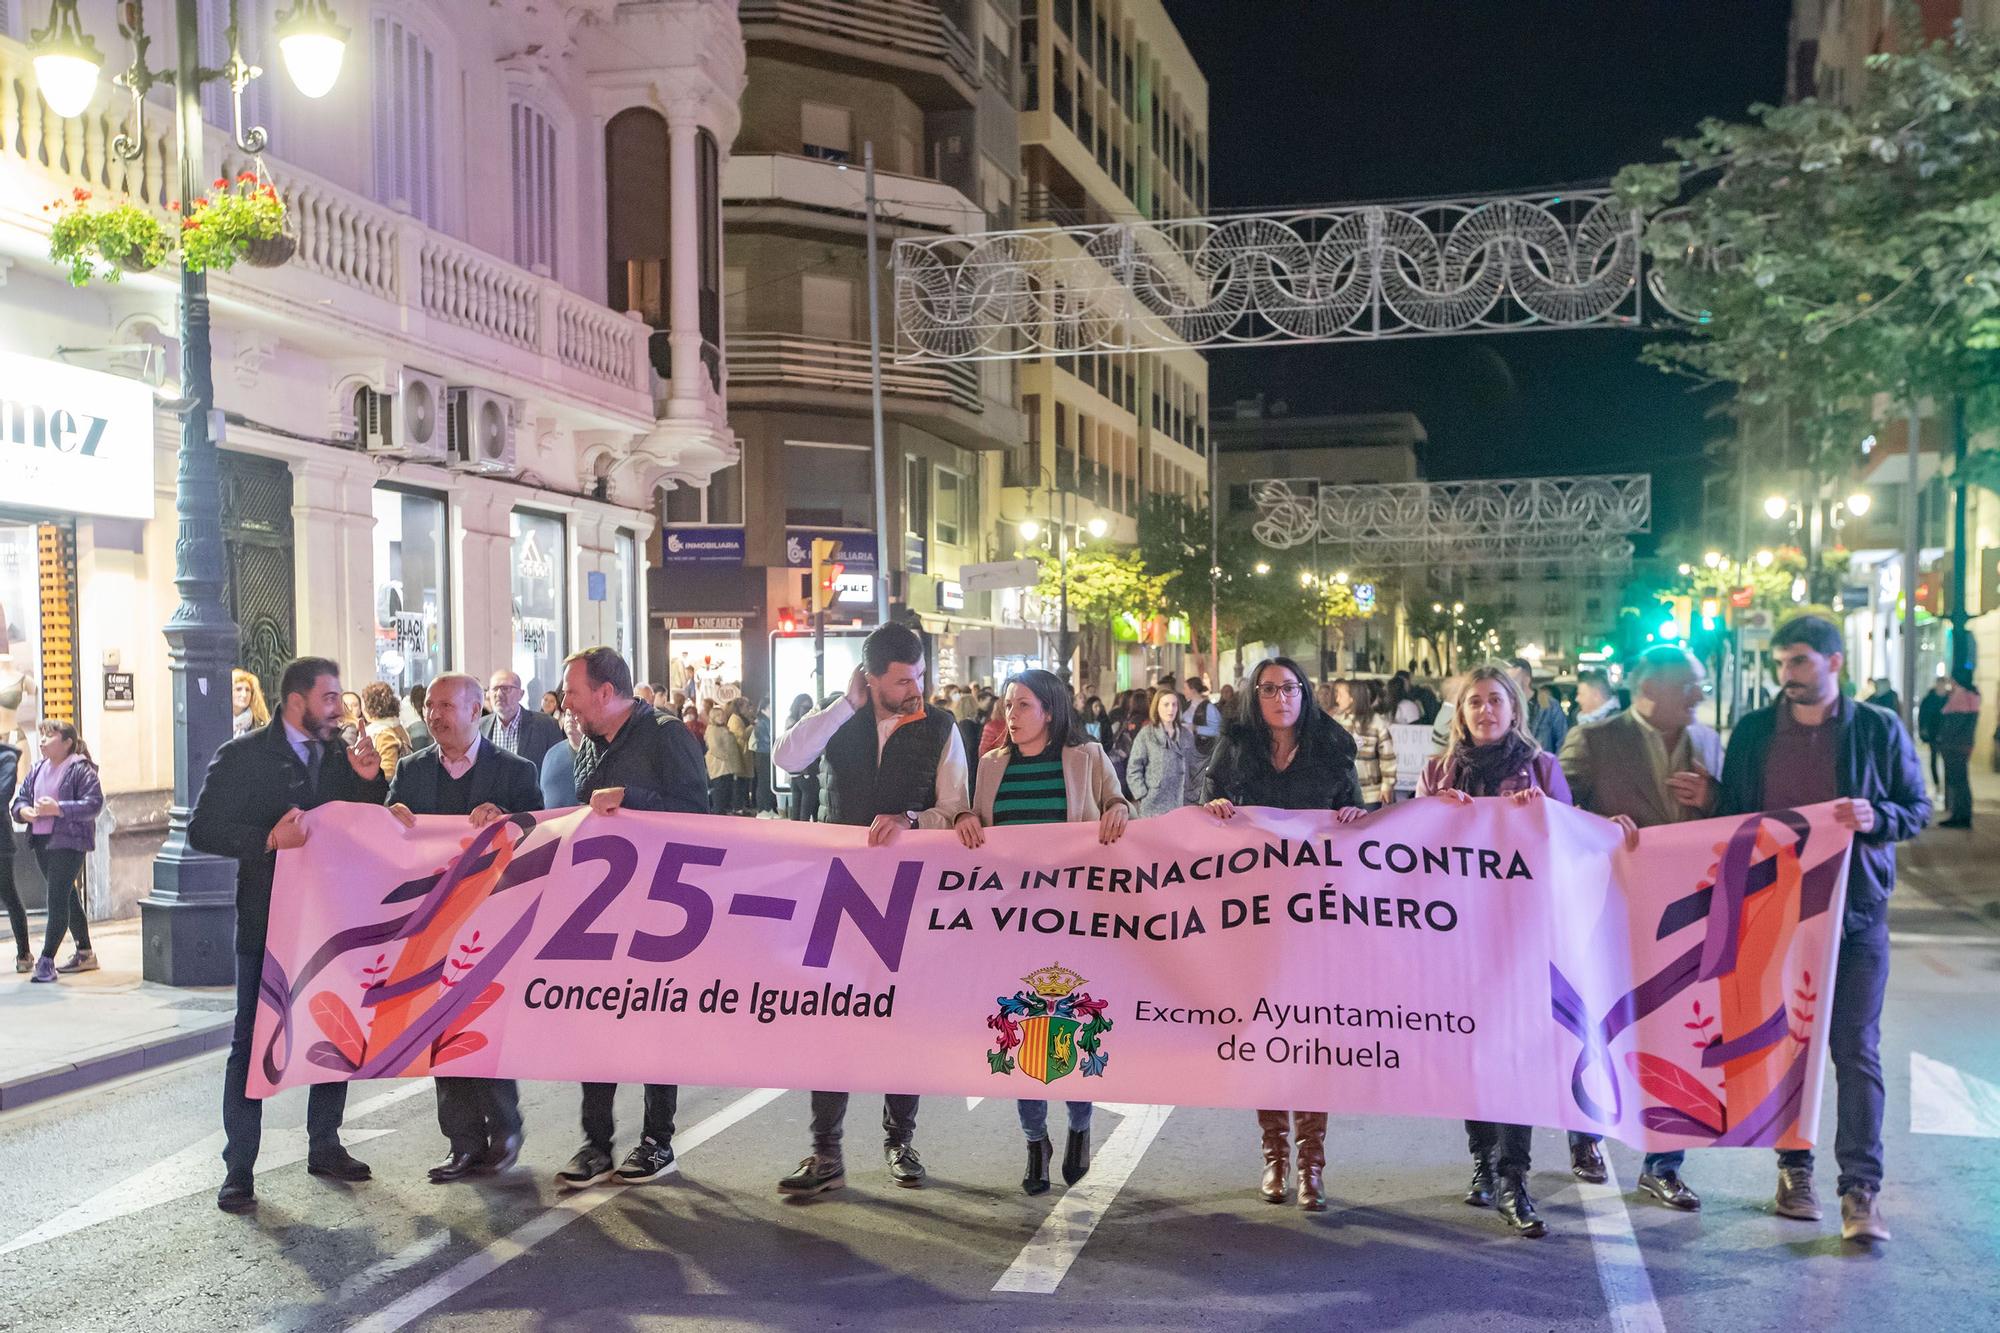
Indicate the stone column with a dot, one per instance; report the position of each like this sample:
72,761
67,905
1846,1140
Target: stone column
684,262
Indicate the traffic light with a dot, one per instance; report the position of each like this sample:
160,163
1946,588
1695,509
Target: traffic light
826,572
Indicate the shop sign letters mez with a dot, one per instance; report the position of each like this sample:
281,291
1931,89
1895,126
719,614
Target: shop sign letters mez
76,441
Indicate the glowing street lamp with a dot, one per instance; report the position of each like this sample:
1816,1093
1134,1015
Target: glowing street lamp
1776,506
1859,503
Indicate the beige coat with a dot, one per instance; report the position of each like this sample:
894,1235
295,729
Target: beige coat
1089,781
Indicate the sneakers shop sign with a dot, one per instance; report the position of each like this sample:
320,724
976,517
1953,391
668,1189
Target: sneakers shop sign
76,441
1673,996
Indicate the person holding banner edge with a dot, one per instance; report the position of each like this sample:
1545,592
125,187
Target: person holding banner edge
887,762
1047,773
468,775
1492,753
1283,751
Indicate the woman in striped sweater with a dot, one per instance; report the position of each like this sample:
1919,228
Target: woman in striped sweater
1045,772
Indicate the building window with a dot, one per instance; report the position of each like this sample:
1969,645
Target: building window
260,98
638,220
719,502
708,198
412,587
828,306
625,597
950,507
541,604
407,129
917,497
828,486
534,146
826,132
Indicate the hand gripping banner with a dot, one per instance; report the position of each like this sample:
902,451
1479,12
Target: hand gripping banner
1488,961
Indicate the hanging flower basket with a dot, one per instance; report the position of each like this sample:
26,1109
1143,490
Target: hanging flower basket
104,243
243,221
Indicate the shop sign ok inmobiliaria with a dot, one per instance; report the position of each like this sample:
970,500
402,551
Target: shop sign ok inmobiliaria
76,441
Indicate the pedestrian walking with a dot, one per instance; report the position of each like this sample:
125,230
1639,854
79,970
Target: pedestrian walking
514,728
1492,753
1883,695
250,808
1164,772
725,763
1930,713
1048,772
59,802
1283,750
1204,716
1652,764
10,894
1813,745
631,758
382,711
558,774
1958,730
887,763
463,776
1356,707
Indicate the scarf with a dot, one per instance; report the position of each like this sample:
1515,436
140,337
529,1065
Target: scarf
1480,770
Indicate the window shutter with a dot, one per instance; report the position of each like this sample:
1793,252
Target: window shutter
534,152
405,128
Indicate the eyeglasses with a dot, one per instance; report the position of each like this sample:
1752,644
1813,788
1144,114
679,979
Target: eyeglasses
1288,689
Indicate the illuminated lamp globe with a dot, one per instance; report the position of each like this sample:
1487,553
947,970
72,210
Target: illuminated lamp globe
1097,527
313,45
1859,503
1775,506
1030,529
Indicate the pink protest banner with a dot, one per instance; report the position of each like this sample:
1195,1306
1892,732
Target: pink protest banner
1487,961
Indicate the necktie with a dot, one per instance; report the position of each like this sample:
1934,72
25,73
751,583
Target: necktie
313,751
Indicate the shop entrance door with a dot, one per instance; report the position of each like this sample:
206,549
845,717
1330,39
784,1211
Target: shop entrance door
257,536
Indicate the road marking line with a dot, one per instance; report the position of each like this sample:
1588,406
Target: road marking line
406,1258
1935,941
1947,1100
543,1225
193,1169
1043,1262
1621,1267
972,1103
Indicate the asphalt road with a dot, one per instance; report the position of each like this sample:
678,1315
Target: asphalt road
107,1218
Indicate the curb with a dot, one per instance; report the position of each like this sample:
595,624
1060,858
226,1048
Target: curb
19,1092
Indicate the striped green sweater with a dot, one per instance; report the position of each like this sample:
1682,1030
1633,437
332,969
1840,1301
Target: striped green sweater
1032,791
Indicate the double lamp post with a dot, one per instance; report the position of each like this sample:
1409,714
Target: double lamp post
190,918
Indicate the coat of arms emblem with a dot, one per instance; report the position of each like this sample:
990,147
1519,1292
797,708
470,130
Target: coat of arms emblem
1050,1029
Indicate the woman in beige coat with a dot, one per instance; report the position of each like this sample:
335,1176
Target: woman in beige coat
1045,772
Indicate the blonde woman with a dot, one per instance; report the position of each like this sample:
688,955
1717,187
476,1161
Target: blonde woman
246,695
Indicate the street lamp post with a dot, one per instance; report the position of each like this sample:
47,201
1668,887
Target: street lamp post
190,917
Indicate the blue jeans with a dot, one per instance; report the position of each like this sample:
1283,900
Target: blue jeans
243,1116
1855,1041
1035,1118
1656,1162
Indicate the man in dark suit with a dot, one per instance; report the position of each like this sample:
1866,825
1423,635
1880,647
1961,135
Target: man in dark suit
528,732
464,776
250,807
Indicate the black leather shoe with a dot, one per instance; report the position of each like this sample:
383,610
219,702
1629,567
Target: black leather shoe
1586,1162
500,1155
1076,1156
1036,1179
1671,1190
238,1193
1480,1192
339,1165
905,1167
1517,1208
455,1167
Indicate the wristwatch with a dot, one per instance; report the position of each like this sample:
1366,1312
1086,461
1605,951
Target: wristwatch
911,815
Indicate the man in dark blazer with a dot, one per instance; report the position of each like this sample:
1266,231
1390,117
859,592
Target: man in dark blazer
528,732
464,776
250,809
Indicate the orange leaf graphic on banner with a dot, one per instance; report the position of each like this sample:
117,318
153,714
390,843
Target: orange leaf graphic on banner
337,1021
1677,1088
465,1043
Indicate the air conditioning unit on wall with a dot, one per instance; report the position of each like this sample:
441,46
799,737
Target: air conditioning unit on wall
409,424
481,428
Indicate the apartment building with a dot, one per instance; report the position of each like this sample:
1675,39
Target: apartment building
447,419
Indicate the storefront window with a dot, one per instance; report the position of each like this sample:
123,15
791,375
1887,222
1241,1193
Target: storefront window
541,620
20,635
625,597
412,591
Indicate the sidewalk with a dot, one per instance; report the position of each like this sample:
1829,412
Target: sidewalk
93,1027
1951,870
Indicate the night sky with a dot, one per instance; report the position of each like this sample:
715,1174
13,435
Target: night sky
1331,101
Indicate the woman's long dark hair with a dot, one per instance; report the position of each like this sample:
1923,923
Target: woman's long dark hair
1317,730
800,707
1053,695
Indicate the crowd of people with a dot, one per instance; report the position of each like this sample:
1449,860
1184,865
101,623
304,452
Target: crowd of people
886,756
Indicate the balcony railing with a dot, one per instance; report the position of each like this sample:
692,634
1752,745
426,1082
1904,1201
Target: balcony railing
907,26
796,360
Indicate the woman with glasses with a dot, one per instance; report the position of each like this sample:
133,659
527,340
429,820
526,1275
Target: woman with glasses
1282,750
1492,753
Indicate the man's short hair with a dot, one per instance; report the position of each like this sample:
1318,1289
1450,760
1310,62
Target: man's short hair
1521,664
1197,684
602,665
459,680
1595,679
890,644
1663,657
1815,632
302,673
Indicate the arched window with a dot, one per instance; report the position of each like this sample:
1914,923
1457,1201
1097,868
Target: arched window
638,220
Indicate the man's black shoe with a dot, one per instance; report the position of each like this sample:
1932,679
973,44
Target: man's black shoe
1035,1180
238,1193
500,1155
339,1165
647,1162
1671,1190
1076,1156
1586,1162
1956,823
455,1167
1480,1192
905,1167
815,1175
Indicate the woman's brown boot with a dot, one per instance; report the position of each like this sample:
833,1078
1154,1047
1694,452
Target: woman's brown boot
1277,1126
1311,1126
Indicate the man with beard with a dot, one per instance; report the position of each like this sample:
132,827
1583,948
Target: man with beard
250,808
886,763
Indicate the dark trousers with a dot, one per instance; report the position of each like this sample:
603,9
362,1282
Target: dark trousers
763,799
10,898
805,797
662,1101
1656,1162
1958,784
1937,765
899,1120
722,794
243,1117
1855,1041
1506,1147
477,1112
62,871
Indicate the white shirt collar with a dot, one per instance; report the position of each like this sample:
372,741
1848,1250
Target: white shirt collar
460,767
